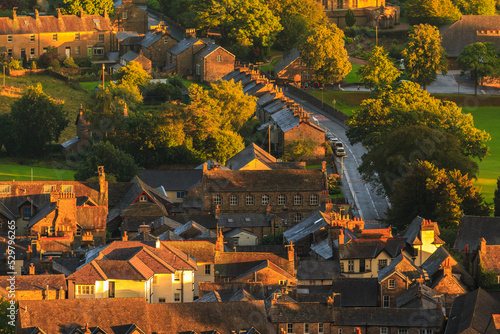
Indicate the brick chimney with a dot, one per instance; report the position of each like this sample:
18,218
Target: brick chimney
32,269
447,268
268,209
219,243
125,236
87,330
341,236
58,14
330,301
482,245
323,166
158,243
329,207
37,15
14,13
105,14
103,187
291,252
205,167
144,228
358,330
80,13
62,294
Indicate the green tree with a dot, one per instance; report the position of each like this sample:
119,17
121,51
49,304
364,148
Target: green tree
115,162
476,7
390,159
323,52
226,144
37,120
133,75
69,63
424,56
350,19
6,326
406,104
434,193
496,199
7,139
479,58
379,70
299,150
90,7
433,12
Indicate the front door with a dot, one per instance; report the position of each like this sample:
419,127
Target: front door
68,52
111,289
89,52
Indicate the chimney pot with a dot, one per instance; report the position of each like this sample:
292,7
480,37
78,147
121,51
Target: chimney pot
125,236
323,166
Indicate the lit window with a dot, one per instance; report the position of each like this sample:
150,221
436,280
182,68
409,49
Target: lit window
250,200
289,328
392,284
297,218
99,51
101,37
77,36
314,199
9,38
265,199
233,200
282,282
382,264
217,200
32,38
67,188
207,269
180,194
84,289
54,37
219,59
177,297
321,328
387,301
297,199
4,189
350,266
384,330
281,199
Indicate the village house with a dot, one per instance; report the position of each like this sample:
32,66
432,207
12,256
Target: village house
131,15
133,56
35,287
77,36
180,57
487,260
254,157
159,272
212,63
291,68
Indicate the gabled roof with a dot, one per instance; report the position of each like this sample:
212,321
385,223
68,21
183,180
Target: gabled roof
412,232
274,106
236,231
202,251
471,312
436,261
35,282
248,154
184,45
356,292
472,228
310,224
150,38
285,119
195,231
4,210
287,59
131,40
130,56
402,265
211,47
177,180
300,313
261,266
212,164
244,220
364,249
42,213
418,296
317,270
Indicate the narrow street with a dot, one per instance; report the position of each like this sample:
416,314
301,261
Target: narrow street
367,204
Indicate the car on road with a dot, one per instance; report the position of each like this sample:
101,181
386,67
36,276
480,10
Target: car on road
331,137
339,151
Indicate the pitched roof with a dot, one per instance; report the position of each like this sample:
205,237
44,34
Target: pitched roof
211,47
364,249
249,257
202,251
471,312
261,266
389,317
150,38
310,224
247,155
401,264
490,258
236,231
131,40
130,56
418,296
300,313
285,119
184,45
472,228
412,232
226,295
286,60
179,180
435,262
52,24
35,282
457,35
356,292
244,220
194,230
211,164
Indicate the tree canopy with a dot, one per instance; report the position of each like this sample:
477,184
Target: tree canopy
36,121
424,56
91,7
323,51
496,199
133,75
481,59
433,12
350,19
379,69
406,104
476,7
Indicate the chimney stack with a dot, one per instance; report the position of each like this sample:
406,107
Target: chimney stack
144,228
205,167
330,301
105,14
28,253
80,13
341,237
14,13
268,209
482,245
37,15
157,243
32,269
58,15
329,207
291,252
447,268
323,166
125,236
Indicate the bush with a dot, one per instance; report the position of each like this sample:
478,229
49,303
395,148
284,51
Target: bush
46,59
33,65
69,63
348,40
55,64
83,62
15,64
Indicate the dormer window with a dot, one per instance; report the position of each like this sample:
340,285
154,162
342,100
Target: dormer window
27,213
4,189
143,198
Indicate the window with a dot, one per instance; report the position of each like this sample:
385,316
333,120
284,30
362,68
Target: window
99,51
9,52
282,282
350,266
341,267
27,213
111,290
165,41
340,330
77,50
305,75
207,269
67,188
281,199
180,194
297,199
78,231
177,297
362,265
307,330
48,188
84,289
250,200
32,52
402,331
387,301
321,328
44,50
297,218
392,284
161,300
177,276
4,189
143,198
382,264
219,59
498,279
54,37
124,15
384,330
233,200
9,38
101,38
289,328
51,229
265,199
217,200
77,36
32,38
198,66
314,199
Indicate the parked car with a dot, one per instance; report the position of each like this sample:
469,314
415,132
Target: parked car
339,151
331,137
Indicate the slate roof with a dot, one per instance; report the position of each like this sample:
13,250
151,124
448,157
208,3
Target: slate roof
237,231
234,269
150,38
471,312
131,40
457,35
183,45
283,180
211,47
244,220
435,263
208,221
472,228
261,266
389,317
287,59
178,180
248,154
130,56
194,230
310,224
401,264
364,249
412,232
274,106
226,295
35,282
300,313
52,24
323,249
356,292
418,296
211,163
285,119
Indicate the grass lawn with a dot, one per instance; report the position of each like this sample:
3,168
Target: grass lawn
313,166
91,85
488,118
347,102
188,83
270,67
353,76
55,88
11,171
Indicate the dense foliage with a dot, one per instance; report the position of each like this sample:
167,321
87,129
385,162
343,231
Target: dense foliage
433,12
379,69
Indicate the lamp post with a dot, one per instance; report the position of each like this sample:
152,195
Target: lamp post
103,73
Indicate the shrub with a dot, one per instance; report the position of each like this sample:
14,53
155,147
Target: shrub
15,64
69,63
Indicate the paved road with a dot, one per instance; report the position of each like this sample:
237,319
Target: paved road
368,204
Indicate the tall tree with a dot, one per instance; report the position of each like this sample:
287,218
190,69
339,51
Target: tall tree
91,7
37,120
476,7
433,12
424,56
479,58
323,51
133,75
379,70
406,104
496,199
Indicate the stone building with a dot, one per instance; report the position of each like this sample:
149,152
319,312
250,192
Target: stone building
212,63
130,15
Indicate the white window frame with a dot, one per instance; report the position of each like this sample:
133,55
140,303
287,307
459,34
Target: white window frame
384,330
386,301
382,264
180,194
198,67
177,276
32,38
233,200
350,266
307,328
402,331
48,188
5,189
250,200
67,188
321,328
32,52
314,199
297,199
162,300
98,51
391,284
177,297
219,59
265,199
297,218
143,198
77,50
85,289
281,199
124,15
208,269
54,37
10,39
426,331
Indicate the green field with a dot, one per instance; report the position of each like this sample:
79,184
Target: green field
347,102
91,85
488,118
353,76
10,171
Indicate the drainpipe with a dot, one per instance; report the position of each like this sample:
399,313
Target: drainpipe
182,286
